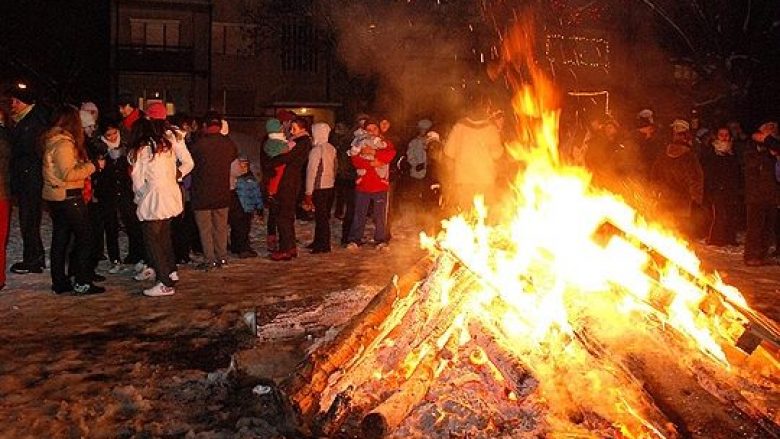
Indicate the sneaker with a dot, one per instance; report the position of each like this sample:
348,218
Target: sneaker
87,289
219,263
116,267
174,276
352,246
383,246
146,274
205,266
246,254
159,290
62,289
23,268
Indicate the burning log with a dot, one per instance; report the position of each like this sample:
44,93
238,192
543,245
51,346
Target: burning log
311,378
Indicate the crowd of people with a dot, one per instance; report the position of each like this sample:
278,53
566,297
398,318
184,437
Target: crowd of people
708,182
179,186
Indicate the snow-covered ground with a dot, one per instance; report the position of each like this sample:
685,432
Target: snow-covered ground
124,365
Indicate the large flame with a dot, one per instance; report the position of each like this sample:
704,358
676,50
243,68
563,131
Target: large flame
555,267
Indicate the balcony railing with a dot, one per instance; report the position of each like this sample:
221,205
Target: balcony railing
143,58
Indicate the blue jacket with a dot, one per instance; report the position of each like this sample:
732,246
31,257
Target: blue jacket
249,194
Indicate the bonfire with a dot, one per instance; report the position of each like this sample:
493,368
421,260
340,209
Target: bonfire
572,316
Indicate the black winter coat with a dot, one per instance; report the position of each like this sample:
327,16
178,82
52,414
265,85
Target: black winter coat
26,152
722,175
291,181
112,184
212,154
760,183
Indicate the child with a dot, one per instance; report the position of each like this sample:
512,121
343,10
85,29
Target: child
276,144
367,137
248,189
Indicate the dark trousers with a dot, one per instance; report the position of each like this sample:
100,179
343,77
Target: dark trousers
70,218
343,192
185,234
240,225
159,249
760,230
97,223
323,202
273,215
362,202
349,212
723,230
5,225
30,208
285,221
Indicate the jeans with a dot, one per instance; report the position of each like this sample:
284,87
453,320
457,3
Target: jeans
240,226
30,208
159,249
323,202
212,226
362,202
70,218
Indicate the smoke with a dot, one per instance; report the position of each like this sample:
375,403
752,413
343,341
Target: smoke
412,51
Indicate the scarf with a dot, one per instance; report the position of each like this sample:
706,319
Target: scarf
722,147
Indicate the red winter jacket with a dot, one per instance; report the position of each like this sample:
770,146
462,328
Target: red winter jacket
371,182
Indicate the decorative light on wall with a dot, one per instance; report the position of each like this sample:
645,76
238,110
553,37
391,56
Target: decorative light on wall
577,51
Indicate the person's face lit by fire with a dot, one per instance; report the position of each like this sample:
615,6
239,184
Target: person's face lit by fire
125,110
296,128
384,126
17,106
372,129
112,135
724,135
610,130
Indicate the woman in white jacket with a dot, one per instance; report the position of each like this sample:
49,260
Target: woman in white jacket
157,194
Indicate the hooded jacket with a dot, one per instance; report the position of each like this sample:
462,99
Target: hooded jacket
62,169
474,146
321,170
680,179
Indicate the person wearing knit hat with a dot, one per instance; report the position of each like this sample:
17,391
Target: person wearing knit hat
276,144
680,126
645,118
30,121
156,111
90,107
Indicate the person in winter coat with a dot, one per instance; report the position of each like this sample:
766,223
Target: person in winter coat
155,175
246,199
113,189
320,181
289,187
5,194
65,169
131,114
275,144
30,121
722,184
761,192
212,153
474,145
372,185
680,179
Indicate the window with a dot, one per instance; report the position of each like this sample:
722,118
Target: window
154,33
299,54
232,39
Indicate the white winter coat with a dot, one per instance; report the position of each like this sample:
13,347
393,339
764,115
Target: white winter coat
474,146
417,155
157,192
321,170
